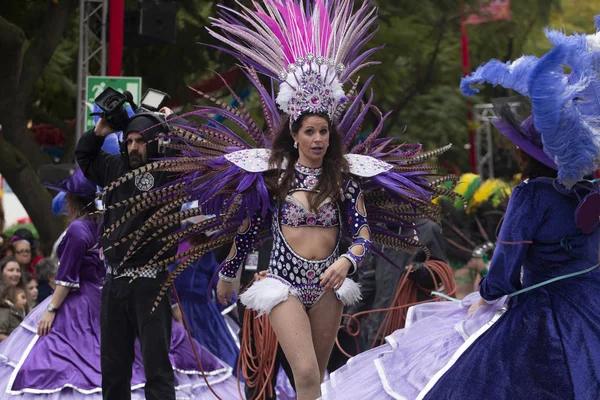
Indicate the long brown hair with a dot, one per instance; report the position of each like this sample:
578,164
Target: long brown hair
81,207
335,165
532,168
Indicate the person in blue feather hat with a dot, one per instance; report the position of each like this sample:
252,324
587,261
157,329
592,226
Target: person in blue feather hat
533,329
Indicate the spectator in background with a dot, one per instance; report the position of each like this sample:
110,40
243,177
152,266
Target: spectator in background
11,272
36,252
45,271
31,291
12,310
21,251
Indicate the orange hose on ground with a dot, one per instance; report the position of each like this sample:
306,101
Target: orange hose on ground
258,350
406,296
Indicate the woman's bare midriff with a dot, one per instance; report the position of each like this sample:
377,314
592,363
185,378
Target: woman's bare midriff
311,242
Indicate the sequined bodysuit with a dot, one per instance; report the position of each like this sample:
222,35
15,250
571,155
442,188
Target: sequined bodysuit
301,275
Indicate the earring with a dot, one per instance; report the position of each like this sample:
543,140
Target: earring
295,145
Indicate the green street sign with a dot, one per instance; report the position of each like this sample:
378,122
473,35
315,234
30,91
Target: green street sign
97,84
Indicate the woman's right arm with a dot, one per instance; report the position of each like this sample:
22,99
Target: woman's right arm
74,246
47,320
245,241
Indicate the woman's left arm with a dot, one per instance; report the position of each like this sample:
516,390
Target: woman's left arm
356,215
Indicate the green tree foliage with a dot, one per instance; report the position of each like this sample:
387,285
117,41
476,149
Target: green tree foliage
421,64
417,79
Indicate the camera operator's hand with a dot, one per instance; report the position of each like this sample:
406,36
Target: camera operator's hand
166,110
102,128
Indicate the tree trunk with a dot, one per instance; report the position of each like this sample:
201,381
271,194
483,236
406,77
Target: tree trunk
36,200
20,155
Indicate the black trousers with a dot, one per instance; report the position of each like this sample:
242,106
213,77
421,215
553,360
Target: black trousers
125,315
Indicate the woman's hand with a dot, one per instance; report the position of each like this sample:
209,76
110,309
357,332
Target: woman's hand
261,275
45,323
225,292
177,314
475,306
334,275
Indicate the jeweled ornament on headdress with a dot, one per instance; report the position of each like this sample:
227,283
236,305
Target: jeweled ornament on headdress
312,49
311,85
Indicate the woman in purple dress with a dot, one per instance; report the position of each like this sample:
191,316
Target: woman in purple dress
533,329
55,352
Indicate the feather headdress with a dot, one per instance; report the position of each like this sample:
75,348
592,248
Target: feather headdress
312,48
565,105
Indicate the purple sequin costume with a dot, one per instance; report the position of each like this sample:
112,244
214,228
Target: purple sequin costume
290,273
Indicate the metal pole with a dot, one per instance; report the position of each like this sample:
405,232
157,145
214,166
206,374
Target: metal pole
91,60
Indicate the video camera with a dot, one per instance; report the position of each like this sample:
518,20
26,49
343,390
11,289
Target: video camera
112,104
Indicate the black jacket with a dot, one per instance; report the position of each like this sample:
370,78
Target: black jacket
103,168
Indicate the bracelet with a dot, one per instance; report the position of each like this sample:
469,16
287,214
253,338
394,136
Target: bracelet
356,259
226,278
352,262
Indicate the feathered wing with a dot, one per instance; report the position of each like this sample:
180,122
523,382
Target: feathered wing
402,190
210,169
225,173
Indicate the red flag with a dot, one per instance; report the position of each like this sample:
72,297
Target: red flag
493,10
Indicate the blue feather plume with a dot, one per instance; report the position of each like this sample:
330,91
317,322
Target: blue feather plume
509,75
555,98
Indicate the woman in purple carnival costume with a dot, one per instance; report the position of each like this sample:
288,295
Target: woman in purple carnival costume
302,180
532,331
55,352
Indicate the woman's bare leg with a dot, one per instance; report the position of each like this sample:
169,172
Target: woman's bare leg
325,318
292,327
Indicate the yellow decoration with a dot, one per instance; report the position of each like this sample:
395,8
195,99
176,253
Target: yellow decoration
464,182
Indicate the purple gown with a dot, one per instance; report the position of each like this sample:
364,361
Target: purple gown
540,344
65,363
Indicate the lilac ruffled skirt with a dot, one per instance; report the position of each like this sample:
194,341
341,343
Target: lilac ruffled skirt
411,357
65,364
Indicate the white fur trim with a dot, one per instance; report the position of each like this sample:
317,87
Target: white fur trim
265,294
349,293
